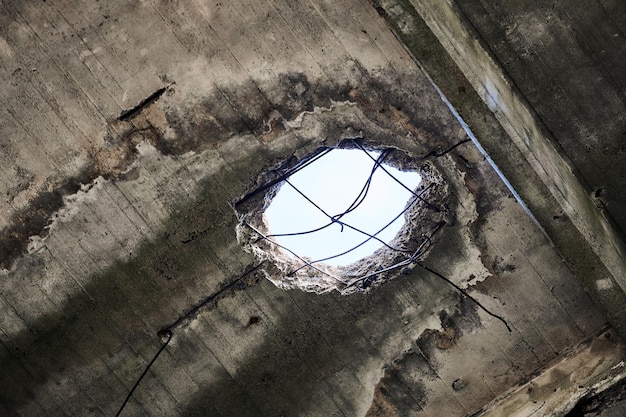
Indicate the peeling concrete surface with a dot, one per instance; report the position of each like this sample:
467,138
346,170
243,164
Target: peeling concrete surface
125,153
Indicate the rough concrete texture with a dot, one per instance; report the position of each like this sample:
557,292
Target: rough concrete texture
607,403
533,138
130,131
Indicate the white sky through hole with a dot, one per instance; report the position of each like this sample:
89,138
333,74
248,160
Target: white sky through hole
333,183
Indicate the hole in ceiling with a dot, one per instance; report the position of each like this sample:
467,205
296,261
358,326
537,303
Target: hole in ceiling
344,218
342,207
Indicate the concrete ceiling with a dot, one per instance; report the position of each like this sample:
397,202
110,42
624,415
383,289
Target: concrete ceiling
130,132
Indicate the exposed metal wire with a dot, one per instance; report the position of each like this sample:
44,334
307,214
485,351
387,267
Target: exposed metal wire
307,263
462,291
411,259
429,205
355,204
282,177
370,237
167,335
409,263
342,224
336,219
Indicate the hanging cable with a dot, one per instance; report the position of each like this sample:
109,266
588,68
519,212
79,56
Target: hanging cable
335,219
290,251
342,224
167,335
369,237
409,263
282,177
462,291
429,205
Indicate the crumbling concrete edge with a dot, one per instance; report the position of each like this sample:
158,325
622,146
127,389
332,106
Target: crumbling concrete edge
556,389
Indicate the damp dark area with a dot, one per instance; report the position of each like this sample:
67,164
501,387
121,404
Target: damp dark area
403,385
464,318
608,403
248,108
396,393
33,220
261,110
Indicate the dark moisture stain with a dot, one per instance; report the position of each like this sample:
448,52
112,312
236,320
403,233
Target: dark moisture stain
33,220
251,108
254,320
611,402
500,267
464,318
401,391
110,161
240,109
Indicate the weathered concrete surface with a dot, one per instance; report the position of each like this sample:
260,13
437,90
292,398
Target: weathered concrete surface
542,145
609,402
581,372
129,131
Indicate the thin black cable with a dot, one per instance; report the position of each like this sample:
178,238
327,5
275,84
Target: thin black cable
168,331
209,299
462,291
309,200
168,335
450,149
431,206
306,232
290,251
411,262
418,252
334,219
342,224
332,222
370,237
365,189
282,177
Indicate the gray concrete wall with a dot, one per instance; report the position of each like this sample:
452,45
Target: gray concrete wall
130,130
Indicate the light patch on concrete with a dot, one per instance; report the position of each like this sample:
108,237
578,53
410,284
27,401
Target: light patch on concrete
533,28
605,284
466,213
5,49
493,98
406,24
